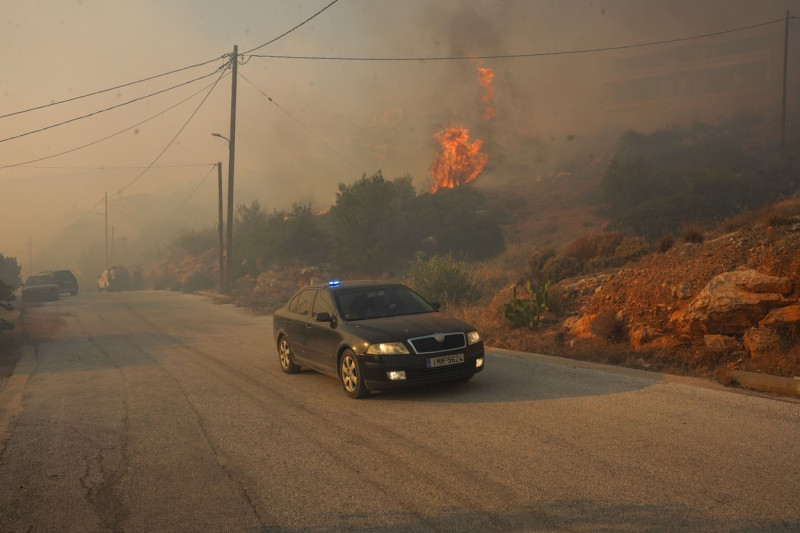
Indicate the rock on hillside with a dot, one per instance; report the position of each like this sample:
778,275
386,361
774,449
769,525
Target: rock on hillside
731,302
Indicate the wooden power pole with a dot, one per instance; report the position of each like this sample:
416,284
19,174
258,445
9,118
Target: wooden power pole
231,156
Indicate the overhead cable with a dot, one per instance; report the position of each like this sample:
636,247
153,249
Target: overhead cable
320,139
161,153
203,180
284,34
112,88
74,119
524,55
110,167
23,163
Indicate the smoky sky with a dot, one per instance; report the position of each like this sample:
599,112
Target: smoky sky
328,122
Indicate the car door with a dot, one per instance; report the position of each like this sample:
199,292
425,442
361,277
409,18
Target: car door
323,338
298,317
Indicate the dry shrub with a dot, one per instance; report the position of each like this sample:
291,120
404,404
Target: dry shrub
558,301
536,263
592,245
561,267
665,244
693,234
631,249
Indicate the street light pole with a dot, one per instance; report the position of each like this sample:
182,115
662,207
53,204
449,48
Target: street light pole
225,285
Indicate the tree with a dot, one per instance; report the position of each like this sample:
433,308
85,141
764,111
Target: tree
10,271
457,221
302,236
254,241
371,224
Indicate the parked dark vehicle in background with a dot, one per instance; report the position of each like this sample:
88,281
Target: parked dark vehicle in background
67,281
116,278
41,287
374,336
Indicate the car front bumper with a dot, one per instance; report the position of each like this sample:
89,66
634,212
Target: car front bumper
416,370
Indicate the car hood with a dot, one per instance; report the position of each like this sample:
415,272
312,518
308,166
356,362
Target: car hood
400,328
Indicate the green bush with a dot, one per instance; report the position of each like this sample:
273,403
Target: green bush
10,272
527,312
443,279
6,292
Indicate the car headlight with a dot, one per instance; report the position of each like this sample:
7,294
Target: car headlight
473,337
387,348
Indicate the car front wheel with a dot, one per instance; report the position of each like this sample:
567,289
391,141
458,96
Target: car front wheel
285,355
350,373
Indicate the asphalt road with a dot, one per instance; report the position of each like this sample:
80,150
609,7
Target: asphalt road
158,411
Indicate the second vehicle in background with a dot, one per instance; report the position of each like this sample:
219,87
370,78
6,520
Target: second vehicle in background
67,282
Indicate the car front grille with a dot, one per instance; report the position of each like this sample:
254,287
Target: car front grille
430,344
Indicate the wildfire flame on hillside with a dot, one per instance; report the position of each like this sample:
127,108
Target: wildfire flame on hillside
485,77
459,161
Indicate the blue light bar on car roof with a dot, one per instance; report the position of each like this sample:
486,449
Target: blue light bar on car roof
334,283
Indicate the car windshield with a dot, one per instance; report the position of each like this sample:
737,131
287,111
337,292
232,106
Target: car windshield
380,302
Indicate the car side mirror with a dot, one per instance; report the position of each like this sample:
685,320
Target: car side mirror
437,306
323,317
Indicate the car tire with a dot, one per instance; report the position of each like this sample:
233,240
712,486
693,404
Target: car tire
351,375
285,357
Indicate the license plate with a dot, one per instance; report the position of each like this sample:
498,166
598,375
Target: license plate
445,360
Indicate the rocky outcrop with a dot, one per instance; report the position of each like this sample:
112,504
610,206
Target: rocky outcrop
733,302
737,312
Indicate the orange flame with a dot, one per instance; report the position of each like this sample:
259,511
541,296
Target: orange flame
485,77
459,162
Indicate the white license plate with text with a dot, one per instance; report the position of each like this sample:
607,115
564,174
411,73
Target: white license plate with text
445,360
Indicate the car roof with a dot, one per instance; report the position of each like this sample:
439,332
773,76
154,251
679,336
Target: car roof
335,285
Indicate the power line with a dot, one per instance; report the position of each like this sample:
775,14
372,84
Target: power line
176,134
525,55
74,119
284,34
110,167
110,88
320,139
113,134
213,166
161,153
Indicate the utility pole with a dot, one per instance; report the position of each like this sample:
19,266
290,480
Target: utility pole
221,254
785,75
231,154
106,219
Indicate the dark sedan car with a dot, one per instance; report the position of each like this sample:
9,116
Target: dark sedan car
374,336
41,287
67,281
